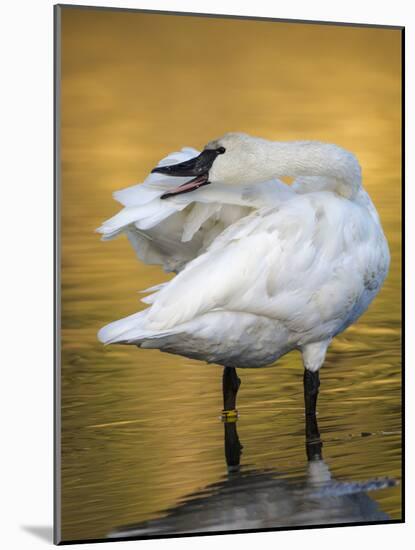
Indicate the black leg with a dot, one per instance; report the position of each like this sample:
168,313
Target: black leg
233,447
230,385
311,386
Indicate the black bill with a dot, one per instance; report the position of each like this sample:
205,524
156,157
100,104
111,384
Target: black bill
198,166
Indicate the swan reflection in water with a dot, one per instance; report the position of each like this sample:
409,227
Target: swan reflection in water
259,499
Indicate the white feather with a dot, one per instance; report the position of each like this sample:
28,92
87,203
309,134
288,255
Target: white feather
194,218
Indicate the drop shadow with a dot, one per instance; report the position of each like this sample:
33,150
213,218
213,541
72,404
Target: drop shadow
43,532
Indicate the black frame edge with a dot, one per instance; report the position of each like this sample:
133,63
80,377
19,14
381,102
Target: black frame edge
233,532
403,309
231,16
56,266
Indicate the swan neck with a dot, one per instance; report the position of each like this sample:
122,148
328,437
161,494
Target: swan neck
316,165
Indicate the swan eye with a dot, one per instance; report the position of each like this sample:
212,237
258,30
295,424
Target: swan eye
220,150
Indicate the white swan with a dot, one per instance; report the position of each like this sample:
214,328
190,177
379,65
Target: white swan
263,267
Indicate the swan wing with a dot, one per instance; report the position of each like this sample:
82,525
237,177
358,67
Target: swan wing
304,263
174,231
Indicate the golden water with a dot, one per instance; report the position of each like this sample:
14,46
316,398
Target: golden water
140,429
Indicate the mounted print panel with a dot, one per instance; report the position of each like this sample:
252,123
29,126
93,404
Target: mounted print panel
228,271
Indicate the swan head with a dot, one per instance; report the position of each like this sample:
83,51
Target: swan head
244,159
234,158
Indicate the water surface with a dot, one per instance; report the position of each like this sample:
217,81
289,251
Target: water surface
140,429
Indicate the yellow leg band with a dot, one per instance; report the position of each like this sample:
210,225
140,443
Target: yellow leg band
230,415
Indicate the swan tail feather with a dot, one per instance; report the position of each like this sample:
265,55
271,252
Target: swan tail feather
130,330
